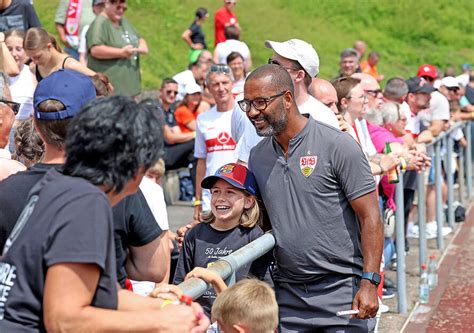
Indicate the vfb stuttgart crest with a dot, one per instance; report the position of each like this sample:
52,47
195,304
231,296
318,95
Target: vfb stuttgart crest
307,164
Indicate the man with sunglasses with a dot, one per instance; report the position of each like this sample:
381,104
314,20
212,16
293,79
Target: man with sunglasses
301,61
319,192
179,146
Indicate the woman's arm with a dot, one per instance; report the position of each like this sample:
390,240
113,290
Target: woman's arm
105,52
8,63
68,294
142,46
75,65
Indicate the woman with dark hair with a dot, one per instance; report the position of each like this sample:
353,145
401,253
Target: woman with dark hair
194,36
47,56
115,47
236,62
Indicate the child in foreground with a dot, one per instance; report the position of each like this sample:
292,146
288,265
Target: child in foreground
231,224
249,306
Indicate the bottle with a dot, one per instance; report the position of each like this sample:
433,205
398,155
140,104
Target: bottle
392,175
432,272
424,287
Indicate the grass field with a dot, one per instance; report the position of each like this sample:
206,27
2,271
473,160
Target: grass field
406,33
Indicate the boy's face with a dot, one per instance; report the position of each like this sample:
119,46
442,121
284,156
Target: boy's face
228,202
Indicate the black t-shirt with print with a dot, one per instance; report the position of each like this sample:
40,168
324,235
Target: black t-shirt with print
71,223
134,223
203,245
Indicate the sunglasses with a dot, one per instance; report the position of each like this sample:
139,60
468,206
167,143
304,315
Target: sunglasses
169,92
219,68
374,92
13,105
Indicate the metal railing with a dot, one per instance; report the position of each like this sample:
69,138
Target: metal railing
227,266
465,192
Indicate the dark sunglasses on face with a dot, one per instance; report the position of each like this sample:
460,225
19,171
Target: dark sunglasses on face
13,105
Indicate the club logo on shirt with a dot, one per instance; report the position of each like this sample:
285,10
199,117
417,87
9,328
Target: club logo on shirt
307,164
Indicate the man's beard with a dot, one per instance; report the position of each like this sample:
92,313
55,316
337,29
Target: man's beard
274,127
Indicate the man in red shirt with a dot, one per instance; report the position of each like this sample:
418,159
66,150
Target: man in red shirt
224,17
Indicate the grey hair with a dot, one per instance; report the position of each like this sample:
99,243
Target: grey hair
374,116
395,88
349,52
390,112
219,69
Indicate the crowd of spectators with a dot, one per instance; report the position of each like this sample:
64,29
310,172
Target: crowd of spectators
83,223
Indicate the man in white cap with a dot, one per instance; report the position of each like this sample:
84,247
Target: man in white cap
302,63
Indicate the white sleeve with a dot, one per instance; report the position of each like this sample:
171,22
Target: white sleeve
200,149
82,40
249,140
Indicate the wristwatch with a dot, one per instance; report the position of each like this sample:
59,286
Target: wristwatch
373,277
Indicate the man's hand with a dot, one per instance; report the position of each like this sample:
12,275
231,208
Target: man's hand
389,162
366,300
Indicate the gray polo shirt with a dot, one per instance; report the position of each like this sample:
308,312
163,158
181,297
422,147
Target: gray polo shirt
307,196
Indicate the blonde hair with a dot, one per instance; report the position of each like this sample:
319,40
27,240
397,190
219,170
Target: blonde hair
38,38
250,216
249,302
158,169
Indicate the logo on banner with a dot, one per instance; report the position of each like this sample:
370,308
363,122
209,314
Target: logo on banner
307,164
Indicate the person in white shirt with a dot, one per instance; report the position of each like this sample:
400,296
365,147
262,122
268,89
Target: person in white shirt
232,44
214,145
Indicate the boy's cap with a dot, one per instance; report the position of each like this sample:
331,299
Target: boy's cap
419,85
71,88
235,174
298,50
427,70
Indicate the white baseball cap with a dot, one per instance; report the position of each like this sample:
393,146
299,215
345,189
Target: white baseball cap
192,88
298,50
450,82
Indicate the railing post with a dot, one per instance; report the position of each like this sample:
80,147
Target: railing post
468,160
400,233
439,196
461,176
422,219
450,178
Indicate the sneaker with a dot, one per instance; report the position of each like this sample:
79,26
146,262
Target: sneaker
413,231
383,308
387,294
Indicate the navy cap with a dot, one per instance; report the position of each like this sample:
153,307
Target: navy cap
71,88
419,85
236,175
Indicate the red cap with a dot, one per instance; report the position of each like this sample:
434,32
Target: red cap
432,257
427,70
423,267
186,299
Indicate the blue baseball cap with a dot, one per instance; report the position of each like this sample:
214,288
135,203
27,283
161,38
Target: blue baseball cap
236,175
71,88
